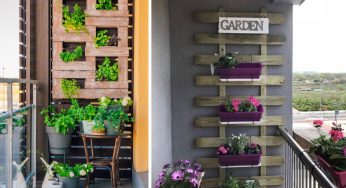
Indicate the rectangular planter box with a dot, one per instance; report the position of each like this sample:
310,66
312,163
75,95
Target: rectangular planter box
250,71
239,160
240,116
338,176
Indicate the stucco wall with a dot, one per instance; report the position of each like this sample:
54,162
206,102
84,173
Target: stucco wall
183,70
161,87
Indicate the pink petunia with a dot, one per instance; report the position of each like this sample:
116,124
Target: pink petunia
254,101
236,103
317,123
336,135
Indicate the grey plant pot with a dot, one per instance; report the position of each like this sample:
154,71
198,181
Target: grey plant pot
70,182
87,125
59,144
110,130
115,107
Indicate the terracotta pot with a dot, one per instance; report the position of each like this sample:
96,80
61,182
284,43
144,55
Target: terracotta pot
98,132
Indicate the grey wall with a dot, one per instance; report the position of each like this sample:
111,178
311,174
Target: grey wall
161,87
183,70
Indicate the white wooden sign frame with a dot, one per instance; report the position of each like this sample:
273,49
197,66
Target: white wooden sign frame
243,25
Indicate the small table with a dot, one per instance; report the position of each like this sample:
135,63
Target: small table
113,162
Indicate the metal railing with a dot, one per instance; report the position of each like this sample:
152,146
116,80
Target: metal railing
301,170
8,117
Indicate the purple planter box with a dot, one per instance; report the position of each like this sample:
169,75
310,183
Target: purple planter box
240,160
240,116
338,176
242,71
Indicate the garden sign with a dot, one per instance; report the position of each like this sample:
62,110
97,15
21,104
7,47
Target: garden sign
243,25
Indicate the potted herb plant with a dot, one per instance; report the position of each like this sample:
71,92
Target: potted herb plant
69,175
124,103
70,88
103,39
229,182
330,151
236,110
251,184
229,69
107,71
114,119
98,129
181,174
59,127
105,5
87,118
75,20
238,152
71,55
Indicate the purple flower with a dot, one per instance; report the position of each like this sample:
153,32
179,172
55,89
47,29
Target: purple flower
194,182
166,166
344,151
190,170
162,174
177,175
158,183
186,162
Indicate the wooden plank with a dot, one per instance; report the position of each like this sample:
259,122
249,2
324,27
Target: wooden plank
73,74
91,83
60,35
263,181
110,51
213,142
106,13
93,93
77,65
213,16
265,161
108,22
203,38
269,60
217,101
209,122
207,80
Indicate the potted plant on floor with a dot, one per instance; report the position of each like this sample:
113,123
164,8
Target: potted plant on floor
238,152
230,70
69,175
241,111
59,127
181,174
330,152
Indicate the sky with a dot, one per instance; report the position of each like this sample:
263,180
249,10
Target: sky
319,33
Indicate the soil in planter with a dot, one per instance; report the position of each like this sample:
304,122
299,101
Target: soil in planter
112,32
71,3
70,46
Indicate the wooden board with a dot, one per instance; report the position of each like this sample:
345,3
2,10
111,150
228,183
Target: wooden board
265,161
268,60
213,16
217,101
210,122
203,38
93,93
207,80
107,22
213,142
263,181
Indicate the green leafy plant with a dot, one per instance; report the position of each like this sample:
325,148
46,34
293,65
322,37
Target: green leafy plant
70,88
102,39
107,101
104,5
107,72
238,143
251,184
63,122
229,182
88,113
74,21
76,171
68,56
227,61
116,117
98,127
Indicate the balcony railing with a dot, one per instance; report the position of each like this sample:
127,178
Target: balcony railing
29,137
301,170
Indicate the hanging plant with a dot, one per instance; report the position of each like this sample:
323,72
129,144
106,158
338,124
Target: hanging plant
74,21
107,72
70,88
105,5
67,56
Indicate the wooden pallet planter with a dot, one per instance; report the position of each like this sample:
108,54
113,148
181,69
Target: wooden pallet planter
206,60
96,19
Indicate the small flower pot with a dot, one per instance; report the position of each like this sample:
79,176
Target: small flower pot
239,160
98,132
59,144
115,107
338,176
86,126
226,117
243,71
111,130
70,182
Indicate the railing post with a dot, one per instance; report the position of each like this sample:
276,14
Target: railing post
9,144
33,135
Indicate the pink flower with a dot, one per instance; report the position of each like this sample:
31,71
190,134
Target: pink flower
336,135
317,123
177,175
194,182
235,103
222,150
254,101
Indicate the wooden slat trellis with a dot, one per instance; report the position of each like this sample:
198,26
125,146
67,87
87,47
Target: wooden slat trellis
266,80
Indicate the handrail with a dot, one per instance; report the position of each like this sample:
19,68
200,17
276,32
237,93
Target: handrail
20,110
307,161
16,80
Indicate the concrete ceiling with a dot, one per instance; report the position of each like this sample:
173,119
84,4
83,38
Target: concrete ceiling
294,2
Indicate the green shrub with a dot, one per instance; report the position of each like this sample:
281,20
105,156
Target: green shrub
67,56
74,21
102,39
107,72
70,88
104,5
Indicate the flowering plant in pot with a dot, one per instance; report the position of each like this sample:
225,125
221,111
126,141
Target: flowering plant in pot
230,182
237,110
107,102
230,69
330,151
181,174
238,152
69,175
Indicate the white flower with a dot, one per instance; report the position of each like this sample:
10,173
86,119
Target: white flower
124,102
103,99
82,172
71,174
92,170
